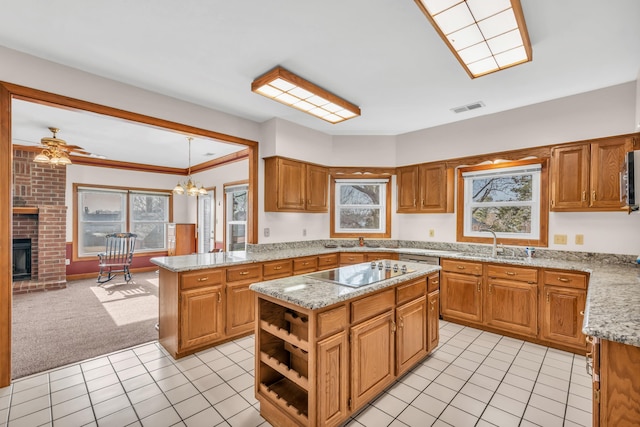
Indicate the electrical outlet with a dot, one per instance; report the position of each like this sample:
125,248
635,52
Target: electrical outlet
67,262
560,239
432,232
267,232
579,239
304,231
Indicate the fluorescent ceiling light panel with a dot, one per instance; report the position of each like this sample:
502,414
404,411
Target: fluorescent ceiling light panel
289,89
470,28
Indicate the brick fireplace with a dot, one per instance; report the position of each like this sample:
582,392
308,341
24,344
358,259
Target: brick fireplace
40,214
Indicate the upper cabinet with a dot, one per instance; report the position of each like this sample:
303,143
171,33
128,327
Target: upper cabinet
586,176
425,188
294,186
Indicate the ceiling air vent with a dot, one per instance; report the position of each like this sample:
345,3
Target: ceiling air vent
468,107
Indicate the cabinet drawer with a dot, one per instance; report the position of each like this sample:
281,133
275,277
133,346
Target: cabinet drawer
305,265
433,282
332,321
464,267
411,290
352,258
378,256
201,278
521,274
245,272
276,269
327,261
370,306
565,278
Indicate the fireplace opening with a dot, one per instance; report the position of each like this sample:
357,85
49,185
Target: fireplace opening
21,259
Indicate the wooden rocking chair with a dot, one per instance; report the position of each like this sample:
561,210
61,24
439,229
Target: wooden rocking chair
117,256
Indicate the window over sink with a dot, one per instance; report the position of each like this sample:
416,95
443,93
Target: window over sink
361,207
507,198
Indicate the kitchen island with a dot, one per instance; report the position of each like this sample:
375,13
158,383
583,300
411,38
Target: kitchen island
325,346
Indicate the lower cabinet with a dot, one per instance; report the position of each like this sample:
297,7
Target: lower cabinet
240,300
372,358
541,305
411,334
333,363
616,391
433,315
202,319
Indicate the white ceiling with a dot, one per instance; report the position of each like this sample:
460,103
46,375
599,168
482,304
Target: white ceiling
381,55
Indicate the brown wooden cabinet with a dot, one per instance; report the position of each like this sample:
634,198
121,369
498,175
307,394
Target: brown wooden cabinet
202,320
294,186
333,363
425,188
181,239
411,335
512,299
461,290
240,299
372,358
433,311
350,258
304,265
562,309
586,176
616,391
328,261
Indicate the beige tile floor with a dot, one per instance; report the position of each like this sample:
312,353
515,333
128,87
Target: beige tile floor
474,378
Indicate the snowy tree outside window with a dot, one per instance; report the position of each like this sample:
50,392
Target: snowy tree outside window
360,206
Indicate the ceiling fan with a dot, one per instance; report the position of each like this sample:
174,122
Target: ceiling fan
56,151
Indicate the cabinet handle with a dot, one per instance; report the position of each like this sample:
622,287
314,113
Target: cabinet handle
548,297
435,282
581,312
219,298
393,327
511,273
401,322
478,288
433,305
422,202
593,195
490,289
244,273
584,196
460,267
563,279
278,267
203,279
305,263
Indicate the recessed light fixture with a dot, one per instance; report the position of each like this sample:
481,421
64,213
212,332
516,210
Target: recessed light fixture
292,90
485,36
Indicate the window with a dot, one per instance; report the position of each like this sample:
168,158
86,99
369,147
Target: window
509,199
101,211
236,216
360,207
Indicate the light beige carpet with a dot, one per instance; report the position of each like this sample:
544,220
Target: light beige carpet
58,327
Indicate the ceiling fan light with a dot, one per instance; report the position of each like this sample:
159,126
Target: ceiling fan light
41,158
178,189
64,160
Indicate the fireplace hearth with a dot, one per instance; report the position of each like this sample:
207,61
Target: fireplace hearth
21,259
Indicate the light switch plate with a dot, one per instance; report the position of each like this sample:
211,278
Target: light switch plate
560,239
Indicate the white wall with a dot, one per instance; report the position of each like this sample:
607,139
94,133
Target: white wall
600,113
364,151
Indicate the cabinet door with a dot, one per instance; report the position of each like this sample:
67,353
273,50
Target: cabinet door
433,319
607,160
562,316
350,258
407,189
569,177
436,196
411,336
317,188
512,306
291,185
333,375
240,309
201,316
461,296
372,358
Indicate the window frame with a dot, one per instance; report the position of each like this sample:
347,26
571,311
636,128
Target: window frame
128,191
543,205
385,218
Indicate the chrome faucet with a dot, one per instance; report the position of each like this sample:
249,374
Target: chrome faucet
494,250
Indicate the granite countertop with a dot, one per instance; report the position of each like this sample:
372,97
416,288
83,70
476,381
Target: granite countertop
313,294
613,300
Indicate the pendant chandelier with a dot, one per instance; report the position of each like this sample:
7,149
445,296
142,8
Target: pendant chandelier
189,187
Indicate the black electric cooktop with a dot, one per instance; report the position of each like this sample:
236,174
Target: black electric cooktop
359,275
